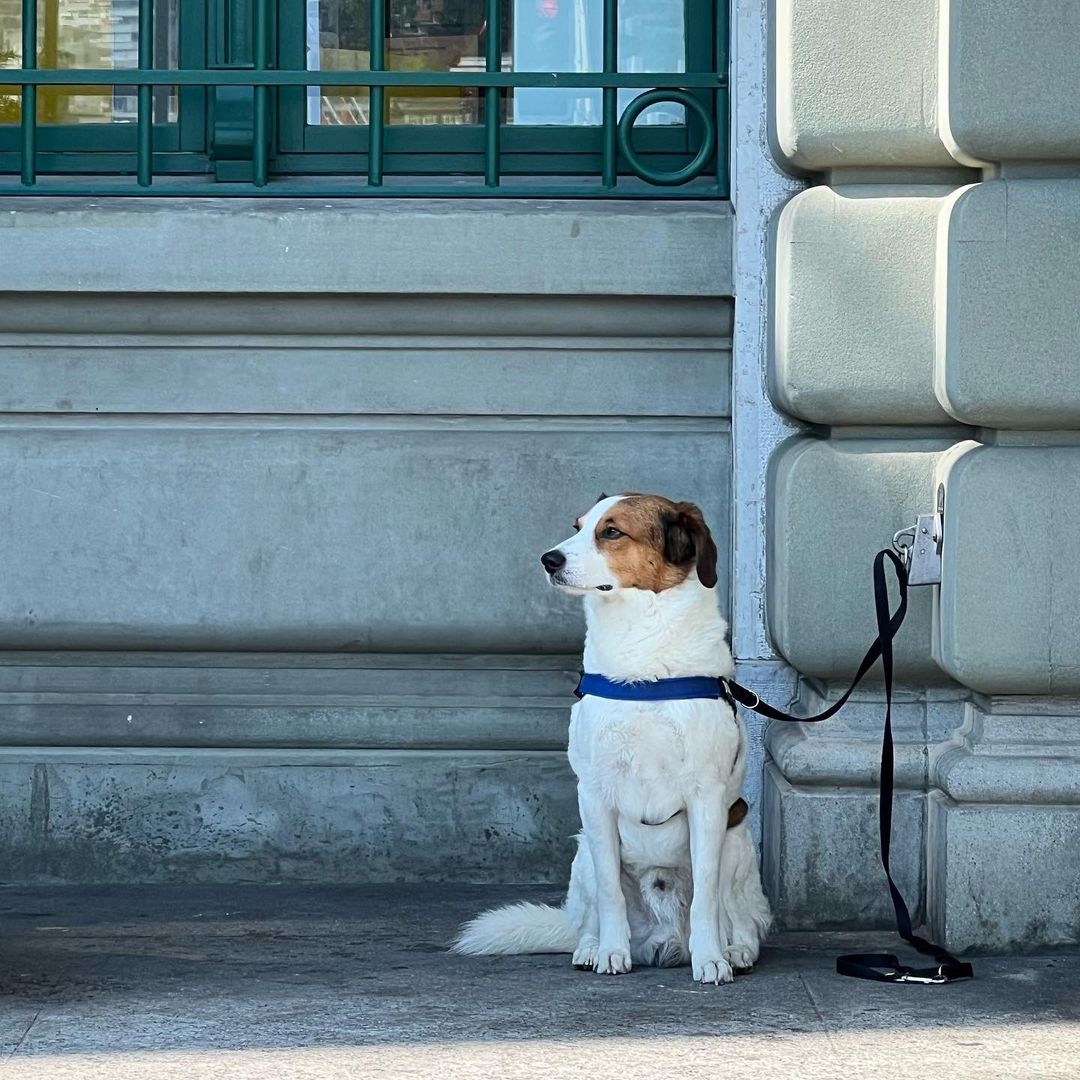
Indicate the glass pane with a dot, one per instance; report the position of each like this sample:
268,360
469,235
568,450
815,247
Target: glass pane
422,35
88,34
450,35
568,35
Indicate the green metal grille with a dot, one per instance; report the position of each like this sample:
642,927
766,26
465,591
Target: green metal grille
623,172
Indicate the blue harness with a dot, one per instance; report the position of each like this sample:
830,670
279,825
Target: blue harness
685,689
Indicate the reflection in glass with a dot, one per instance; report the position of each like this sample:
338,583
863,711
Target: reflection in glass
568,35
88,34
421,35
450,35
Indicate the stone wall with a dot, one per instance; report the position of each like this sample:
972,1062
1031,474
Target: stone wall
278,476
924,321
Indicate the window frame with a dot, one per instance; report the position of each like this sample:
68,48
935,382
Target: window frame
536,150
179,147
297,150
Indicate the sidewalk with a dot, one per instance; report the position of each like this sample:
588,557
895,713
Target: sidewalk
280,982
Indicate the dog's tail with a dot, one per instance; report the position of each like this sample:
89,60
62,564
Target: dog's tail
517,928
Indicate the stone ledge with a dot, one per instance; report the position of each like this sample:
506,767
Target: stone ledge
295,701
434,246
845,751
1003,754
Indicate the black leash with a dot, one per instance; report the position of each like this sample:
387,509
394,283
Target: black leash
880,967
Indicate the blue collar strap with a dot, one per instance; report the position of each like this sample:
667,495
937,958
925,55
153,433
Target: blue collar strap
695,686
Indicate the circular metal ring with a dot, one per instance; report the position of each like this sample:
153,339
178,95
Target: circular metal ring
692,168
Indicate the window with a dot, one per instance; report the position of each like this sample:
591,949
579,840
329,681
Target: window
545,97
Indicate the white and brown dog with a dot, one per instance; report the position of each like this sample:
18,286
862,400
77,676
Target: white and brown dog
666,870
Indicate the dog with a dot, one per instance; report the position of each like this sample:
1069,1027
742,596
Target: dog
666,872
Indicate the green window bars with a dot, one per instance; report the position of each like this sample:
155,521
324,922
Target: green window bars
523,98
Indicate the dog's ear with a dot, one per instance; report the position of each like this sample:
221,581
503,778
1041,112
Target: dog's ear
686,537
601,499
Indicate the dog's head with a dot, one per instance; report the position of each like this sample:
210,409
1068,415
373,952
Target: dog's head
634,542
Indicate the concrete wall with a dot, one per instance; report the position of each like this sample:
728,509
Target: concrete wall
924,321
278,477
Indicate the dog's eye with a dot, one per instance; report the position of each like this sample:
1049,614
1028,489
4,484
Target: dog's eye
611,533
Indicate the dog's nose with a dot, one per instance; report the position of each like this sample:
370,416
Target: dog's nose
553,560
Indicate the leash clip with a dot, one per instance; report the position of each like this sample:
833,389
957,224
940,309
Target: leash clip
924,980
903,541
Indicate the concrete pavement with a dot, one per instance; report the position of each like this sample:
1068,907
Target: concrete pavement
281,982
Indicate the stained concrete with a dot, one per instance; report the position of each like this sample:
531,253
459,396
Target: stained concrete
82,815
277,982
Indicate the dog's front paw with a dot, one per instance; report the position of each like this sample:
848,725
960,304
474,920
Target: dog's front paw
713,970
585,954
741,957
612,961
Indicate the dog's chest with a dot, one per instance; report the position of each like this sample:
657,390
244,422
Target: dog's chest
647,757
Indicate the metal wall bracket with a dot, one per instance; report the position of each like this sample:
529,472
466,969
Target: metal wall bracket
919,545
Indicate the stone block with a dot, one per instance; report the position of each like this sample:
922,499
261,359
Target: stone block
1008,282
1004,827
853,316
821,863
856,83
1008,616
330,534
308,701
833,504
1002,878
1012,78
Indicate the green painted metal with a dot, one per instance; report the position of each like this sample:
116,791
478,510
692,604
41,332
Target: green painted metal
341,187
692,169
722,98
376,94
257,119
246,76
145,151
28,119
231,116
492,95
610,100
261,124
